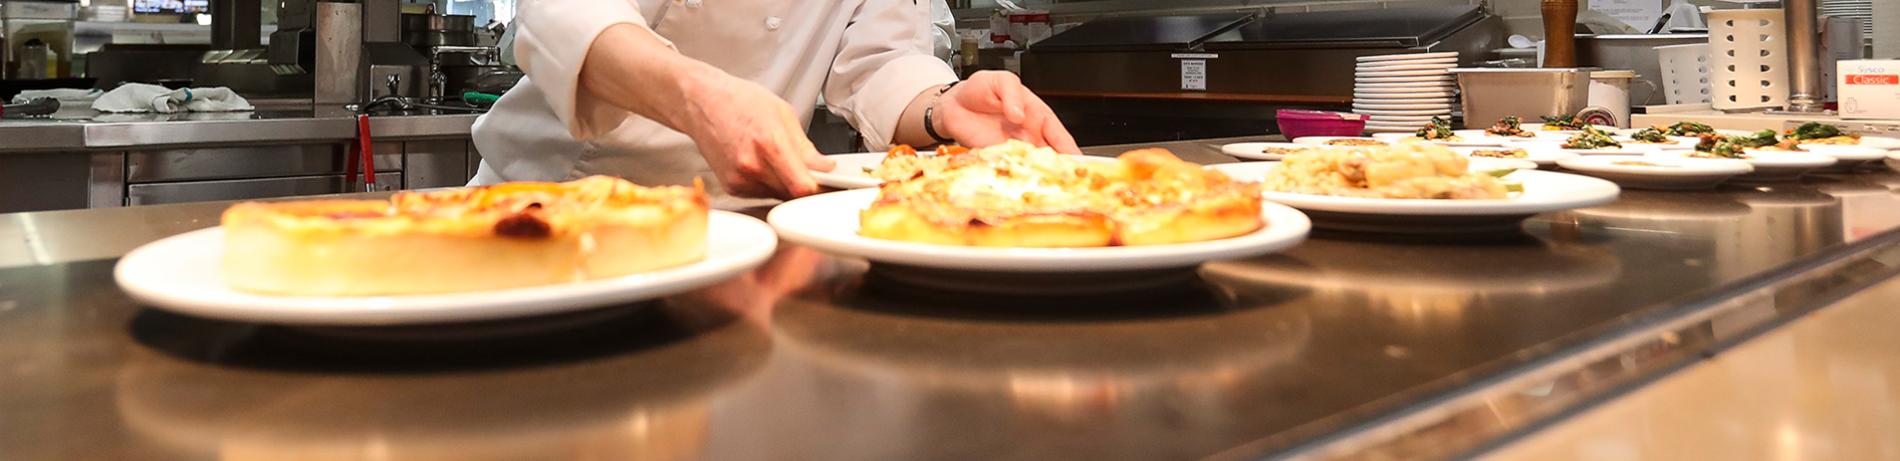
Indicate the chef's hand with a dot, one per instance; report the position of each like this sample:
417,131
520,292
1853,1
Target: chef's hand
993,106
751,138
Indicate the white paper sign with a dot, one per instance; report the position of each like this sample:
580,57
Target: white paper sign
1640,14
1194,74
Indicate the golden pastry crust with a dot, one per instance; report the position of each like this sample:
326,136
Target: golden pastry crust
1017,195
503,236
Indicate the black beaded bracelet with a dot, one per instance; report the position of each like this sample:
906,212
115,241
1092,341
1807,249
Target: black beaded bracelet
930,124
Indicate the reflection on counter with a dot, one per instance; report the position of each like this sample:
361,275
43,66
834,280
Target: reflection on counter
599,397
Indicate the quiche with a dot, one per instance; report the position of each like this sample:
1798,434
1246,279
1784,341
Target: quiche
1018,195
483,238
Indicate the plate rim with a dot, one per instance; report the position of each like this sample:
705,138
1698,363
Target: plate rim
753,248
1286,227
1608,192
1736,168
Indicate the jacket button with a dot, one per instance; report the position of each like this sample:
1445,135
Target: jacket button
772,23
692,3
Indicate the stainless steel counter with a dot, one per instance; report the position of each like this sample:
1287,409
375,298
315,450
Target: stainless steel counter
78,130
1346,347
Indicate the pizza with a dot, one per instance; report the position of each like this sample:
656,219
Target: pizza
1018,195
483,238
1408,170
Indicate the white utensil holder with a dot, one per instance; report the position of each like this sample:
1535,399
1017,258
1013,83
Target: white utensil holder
1685,73
1749,59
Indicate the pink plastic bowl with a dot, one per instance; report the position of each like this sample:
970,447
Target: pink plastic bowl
1297,124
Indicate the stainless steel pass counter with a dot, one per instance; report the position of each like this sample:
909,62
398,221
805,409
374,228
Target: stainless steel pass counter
1346,347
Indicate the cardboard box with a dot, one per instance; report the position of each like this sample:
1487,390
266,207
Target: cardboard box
1869,88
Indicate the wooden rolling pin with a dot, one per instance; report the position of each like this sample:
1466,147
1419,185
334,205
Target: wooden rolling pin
1560,33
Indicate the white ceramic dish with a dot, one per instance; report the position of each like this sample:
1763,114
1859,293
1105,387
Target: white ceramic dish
1543,158
1366,79
1681,143
1405,95
1783,165
1401,62
1428,113
180,273
1408,56
1431,106
1396,137
1323,140
1257,150
1411,86
850,174
1495,140
1399,73
1409,65
1893,160
829,222
1558,145
1666,173
1543,192
1849,156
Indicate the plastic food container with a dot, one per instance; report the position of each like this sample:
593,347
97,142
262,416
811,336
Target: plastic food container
1302,123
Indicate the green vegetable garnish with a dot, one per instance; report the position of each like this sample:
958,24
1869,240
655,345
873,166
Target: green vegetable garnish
1567,122
1733,146
1513,187
1437,129
1814,130
1650,135
1688,129
1500,173
1591,138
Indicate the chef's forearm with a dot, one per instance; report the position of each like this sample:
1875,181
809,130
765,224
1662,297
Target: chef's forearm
633,70
910,126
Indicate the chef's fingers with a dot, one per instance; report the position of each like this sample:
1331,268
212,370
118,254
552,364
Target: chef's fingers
1014,111
816,161
787,160
756,177
1053,131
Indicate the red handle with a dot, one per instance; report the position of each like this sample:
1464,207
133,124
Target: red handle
369,154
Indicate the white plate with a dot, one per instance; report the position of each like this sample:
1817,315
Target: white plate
1404,93
1558,145
1855,154
1407,62
1366,79
1893,160
1672,173
1407,56
1543,192
1399,73
1543,158
829,222
1257,150
1497,140
1396,137
1783,165
1413,86
1432,106
1408,66
1322,140
1426,112
850,174
1681,143
180,273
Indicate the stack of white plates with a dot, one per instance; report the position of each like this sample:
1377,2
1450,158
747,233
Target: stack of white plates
1861,9
1402,92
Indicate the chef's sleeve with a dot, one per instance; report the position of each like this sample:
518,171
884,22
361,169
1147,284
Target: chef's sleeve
884,62
552,43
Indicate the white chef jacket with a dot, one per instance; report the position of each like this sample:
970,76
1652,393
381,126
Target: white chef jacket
870,58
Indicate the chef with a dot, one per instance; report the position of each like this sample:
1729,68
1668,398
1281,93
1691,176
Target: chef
661,91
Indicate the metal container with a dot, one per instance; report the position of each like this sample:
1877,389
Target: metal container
1491,94
423,30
